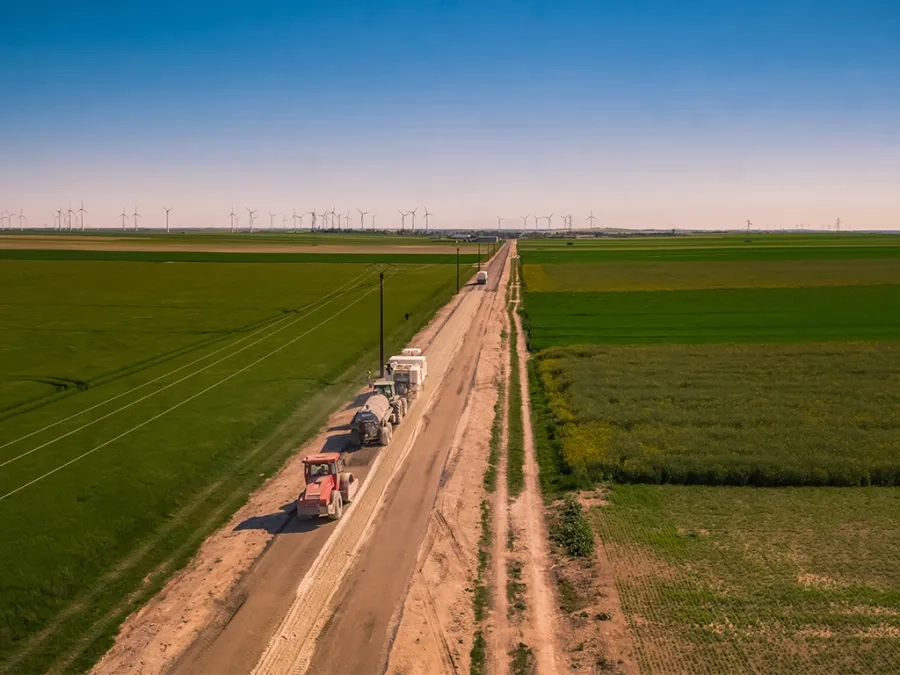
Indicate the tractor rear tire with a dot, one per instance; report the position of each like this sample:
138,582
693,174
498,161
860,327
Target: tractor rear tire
338,503
355,438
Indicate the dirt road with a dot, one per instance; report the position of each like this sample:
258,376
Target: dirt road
370,558
217,614
356,638
235,639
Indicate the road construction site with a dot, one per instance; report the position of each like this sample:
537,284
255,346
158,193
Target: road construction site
273,593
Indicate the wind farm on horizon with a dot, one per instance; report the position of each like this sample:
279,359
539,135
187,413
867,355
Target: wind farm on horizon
331,220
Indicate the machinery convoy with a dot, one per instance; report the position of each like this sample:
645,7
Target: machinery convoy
328,485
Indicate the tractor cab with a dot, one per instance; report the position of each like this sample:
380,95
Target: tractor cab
328,486
385,388
319,466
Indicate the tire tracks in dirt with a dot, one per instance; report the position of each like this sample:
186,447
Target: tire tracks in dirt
344,617
448,560
539,626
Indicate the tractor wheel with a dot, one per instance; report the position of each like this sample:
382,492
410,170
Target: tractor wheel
355,438
338,505
344,486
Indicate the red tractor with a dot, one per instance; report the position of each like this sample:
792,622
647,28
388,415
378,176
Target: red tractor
328,486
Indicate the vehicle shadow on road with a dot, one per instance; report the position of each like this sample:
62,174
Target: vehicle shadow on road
358,401
273,523
284,521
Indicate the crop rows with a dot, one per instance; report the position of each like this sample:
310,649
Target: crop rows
738,415
719,580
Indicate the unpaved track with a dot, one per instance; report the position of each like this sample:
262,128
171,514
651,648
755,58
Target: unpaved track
436,631
541,621
217,613
499,634
371,558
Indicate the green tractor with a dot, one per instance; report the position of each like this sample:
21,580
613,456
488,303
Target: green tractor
399,404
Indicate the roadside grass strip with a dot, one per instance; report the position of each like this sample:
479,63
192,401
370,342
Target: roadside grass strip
515,453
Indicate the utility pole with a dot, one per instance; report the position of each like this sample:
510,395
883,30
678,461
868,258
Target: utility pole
381,322
457,269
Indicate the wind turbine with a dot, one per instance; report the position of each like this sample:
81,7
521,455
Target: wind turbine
81,212
591,218
312,215
362,214
565,221
294,220
524,222
549,221
69,214
232,215
167,217
284,221
500,222
413,213
21,218
402,220
748,226
136,216
373,220
124,216
838,224
251,212
271,220
57,219
427,213
333,216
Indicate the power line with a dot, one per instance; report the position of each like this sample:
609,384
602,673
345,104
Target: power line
187,400
168,386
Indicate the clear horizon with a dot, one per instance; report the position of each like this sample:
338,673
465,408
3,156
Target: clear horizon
690,116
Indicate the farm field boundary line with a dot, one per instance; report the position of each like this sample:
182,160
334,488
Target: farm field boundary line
164,388
176,370
187,400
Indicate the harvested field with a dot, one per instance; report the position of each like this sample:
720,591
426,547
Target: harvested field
722,580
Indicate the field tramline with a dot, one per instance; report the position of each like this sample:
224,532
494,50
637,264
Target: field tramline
200,379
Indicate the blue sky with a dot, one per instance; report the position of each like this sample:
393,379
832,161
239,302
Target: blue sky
654,113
